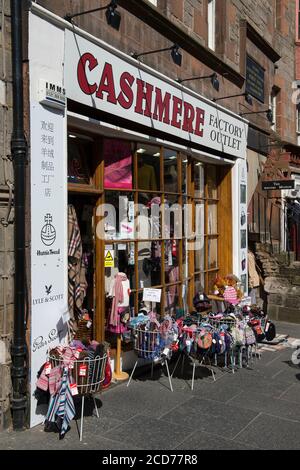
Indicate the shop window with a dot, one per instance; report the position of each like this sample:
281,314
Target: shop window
79,149
198,179
119,215
148,162
212,182
118,164
148,216
171,299
172,217
212,253
149,264
184,174
212,218
172,271
200,255
199,282
170,171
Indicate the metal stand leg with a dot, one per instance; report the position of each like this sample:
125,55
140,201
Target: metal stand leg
81,422
182,365
131,375
152,370
96,408
170,382
177,362
194,366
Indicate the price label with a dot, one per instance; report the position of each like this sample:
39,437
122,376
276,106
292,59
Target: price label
48,368
82,370
74,389
77,352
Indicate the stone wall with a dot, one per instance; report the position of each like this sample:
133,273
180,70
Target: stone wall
281,284
6,215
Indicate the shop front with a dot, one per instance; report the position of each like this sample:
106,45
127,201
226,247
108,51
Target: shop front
134,178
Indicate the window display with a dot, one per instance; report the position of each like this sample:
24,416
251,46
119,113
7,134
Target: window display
146,243
118,162
78,168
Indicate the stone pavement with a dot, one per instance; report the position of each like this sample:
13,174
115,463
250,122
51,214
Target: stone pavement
255,408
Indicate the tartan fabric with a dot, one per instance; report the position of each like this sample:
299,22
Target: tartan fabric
77,284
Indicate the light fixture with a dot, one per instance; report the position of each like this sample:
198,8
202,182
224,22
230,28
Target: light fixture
247,96
268,112
175,54
72,136
113,17
213,78
156,154
141,151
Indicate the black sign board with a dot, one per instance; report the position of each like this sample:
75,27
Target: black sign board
255,79
283,184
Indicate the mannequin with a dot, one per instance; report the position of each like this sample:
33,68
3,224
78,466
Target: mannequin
119,291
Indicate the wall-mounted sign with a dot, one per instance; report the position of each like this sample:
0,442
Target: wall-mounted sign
51,94
49,303
255,79
107,80
285,184
277,172
109,258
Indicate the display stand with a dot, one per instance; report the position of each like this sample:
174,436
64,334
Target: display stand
146,350
118,374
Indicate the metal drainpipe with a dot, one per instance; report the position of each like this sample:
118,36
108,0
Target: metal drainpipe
19,153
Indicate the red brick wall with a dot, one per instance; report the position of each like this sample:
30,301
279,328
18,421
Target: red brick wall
231,44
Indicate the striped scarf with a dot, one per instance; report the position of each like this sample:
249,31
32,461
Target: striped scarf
61,407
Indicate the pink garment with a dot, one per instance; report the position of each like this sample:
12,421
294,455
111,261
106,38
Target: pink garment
54,380
117,164
118,298
120,327
230,295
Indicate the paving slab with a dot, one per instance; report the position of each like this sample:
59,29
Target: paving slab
259,402
210,416
292,394
203,441
150,433
272,433
149,398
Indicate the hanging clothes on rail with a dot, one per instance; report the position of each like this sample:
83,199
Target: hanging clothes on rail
77,284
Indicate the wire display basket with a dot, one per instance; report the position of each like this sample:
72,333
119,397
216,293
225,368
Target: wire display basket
87,373
150,345
218,322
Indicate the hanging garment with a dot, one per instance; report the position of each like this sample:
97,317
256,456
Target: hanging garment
120,290
147,178
253,274
61,407
77,284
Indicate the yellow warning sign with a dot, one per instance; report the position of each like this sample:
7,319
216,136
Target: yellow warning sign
109,261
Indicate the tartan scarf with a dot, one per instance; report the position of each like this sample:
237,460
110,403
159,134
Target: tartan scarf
77,284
